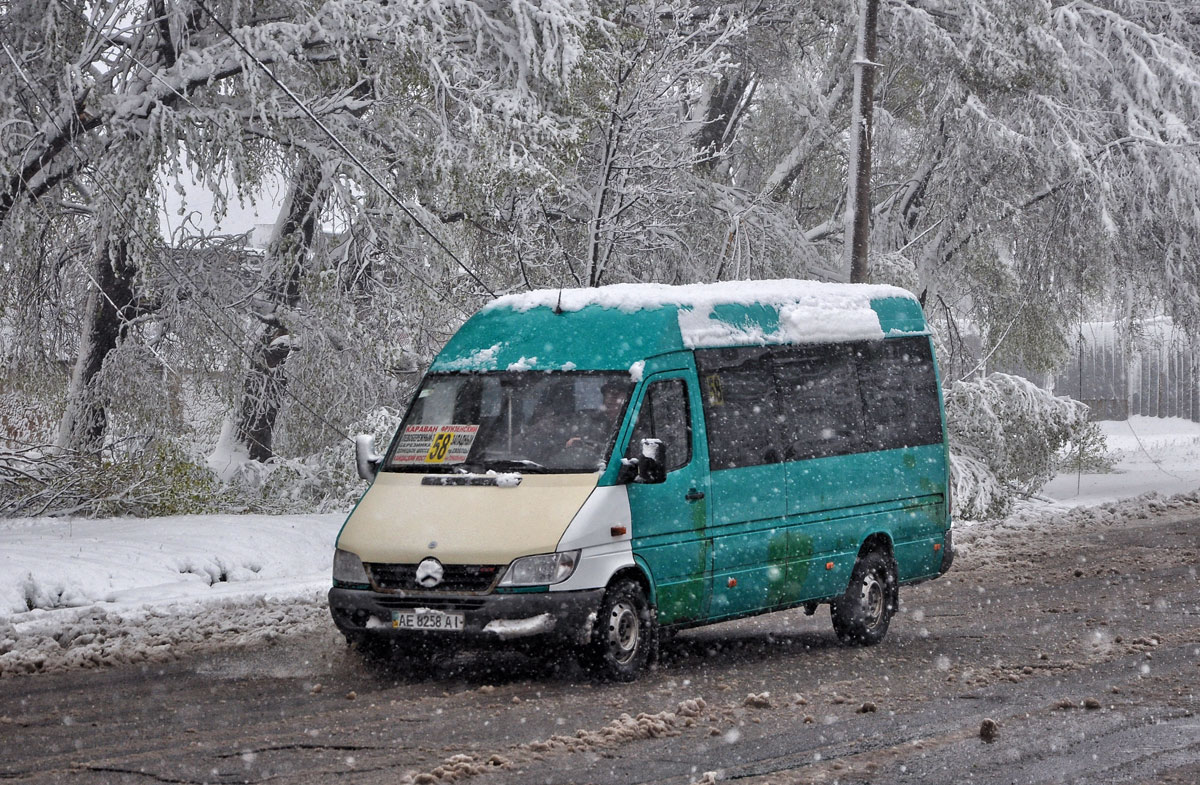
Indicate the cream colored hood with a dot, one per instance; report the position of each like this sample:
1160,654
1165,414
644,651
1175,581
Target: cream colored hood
401,521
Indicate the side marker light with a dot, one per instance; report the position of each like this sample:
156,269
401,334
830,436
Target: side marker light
829,565
618,531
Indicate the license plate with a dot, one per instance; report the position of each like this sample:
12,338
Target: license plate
427,620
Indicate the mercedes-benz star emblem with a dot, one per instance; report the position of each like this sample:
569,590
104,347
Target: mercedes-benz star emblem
429,573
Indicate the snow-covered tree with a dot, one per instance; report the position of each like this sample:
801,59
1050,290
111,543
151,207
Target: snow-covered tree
127,87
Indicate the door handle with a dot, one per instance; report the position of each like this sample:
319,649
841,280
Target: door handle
694,495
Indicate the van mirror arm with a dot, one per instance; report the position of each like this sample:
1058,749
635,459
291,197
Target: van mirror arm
365,457
628,472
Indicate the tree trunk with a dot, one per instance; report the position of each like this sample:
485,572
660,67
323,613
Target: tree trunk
111,304
265,384
858,196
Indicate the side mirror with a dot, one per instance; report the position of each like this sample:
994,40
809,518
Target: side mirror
652,466
365,456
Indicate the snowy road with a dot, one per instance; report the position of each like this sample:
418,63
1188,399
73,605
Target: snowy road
1081,641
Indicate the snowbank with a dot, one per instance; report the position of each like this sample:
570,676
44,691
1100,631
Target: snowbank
89,592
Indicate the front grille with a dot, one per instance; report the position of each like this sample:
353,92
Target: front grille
472,578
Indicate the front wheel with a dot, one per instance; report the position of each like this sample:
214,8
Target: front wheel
625,634
863,613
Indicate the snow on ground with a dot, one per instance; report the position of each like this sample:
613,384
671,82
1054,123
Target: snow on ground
77,592
1153,454
84,593
1157,471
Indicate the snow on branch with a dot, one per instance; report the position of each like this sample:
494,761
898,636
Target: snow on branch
1007,437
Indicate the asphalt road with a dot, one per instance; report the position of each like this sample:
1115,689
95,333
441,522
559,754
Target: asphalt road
1078,648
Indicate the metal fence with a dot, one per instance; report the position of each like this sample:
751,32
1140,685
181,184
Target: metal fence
1148,368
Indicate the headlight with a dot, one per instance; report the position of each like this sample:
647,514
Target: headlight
348,569
541,570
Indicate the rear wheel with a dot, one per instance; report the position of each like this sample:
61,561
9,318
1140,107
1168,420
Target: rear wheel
625,633
862,615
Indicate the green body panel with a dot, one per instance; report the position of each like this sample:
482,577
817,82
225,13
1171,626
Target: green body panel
909,483
590,339
669,530
748,509
777,528
899,316
764,317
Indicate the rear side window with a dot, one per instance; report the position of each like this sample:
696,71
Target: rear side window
899,394
665,415
789,403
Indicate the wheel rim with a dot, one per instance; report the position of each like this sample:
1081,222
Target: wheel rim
624,627
872,601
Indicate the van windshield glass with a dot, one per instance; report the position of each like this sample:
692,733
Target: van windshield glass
528,421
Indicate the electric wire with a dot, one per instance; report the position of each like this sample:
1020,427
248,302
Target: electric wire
183,97
345,150
111,197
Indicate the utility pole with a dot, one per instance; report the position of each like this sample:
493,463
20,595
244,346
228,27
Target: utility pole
858,175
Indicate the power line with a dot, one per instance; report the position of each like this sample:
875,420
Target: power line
110,196
183,97
345,150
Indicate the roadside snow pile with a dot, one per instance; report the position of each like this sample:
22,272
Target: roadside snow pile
1152,454
1157,471
100,635
987,542
623,730
90,592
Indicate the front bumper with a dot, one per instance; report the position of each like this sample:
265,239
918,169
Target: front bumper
487,619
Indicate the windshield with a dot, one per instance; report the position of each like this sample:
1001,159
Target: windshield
561,421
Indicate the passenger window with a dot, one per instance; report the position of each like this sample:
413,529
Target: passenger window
665,415
819,403
899,389
739,408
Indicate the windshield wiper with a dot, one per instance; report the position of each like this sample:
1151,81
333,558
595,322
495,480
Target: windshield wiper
514,464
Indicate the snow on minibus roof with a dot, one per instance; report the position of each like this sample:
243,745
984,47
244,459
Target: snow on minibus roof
808,311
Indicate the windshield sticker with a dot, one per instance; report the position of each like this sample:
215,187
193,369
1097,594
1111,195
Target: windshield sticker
434,444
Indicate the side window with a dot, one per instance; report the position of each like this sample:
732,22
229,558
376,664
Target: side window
665,415
899,389
739,407
821,411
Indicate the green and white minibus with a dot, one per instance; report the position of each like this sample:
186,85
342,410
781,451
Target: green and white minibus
589,467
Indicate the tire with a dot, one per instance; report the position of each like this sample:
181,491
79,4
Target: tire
862,615
625,635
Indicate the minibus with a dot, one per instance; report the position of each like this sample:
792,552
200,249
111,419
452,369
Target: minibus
591,468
